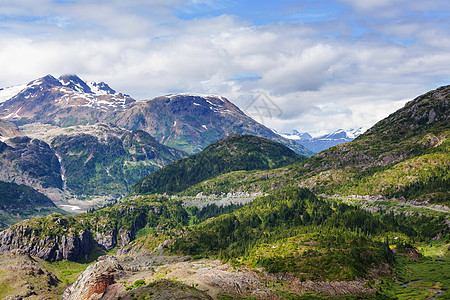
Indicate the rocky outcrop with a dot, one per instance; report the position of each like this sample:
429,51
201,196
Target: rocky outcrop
94,282
332,288
8,129
71,246
107,240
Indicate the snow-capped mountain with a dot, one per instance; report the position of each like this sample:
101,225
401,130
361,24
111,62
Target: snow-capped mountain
72,82
52,100
323,142
189,122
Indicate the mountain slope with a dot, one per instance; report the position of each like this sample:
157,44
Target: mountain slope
29,161
235,152
18,202
192,122
182,121
326,141
96,159
406,154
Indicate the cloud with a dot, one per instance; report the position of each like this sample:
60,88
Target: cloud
320,74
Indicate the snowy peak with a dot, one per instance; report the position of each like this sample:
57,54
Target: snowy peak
45,82
101,88
323,142
75,83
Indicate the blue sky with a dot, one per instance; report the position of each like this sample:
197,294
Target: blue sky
326,64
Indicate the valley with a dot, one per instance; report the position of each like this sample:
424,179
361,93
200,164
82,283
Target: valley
185,196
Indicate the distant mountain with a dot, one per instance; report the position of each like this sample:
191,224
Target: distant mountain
323,142
64,102
183,121
233,153
192,122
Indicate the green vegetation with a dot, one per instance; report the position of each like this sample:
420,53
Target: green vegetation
423,278
405,155
236,152
209,211
18,202
112,166
294,231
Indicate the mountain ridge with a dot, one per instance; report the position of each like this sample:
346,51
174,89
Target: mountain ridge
184,121
325,141
404,155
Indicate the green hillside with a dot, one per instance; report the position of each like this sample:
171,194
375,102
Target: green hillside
95,165
18,202
405,155
236,152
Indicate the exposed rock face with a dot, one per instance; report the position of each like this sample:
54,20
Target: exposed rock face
95,280
332,288
8,129
50,248
107,239
29,161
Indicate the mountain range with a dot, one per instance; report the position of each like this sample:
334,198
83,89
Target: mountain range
244,218
403,155
325,141
72,139
183,121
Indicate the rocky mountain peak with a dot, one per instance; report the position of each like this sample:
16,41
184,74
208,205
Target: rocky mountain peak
75,83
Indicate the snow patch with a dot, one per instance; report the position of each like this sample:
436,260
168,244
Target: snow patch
13,115
204,126
8,93
71,207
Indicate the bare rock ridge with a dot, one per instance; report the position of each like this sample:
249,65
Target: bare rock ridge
73,246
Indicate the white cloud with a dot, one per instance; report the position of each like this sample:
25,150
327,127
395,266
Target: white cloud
319,81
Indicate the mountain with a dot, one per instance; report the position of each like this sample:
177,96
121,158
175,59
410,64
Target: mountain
403,155
323,142
183,121
233,153
192,122
29,161
64,102
18,202
288,243
85,160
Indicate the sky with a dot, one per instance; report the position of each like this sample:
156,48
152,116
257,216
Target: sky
314,66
